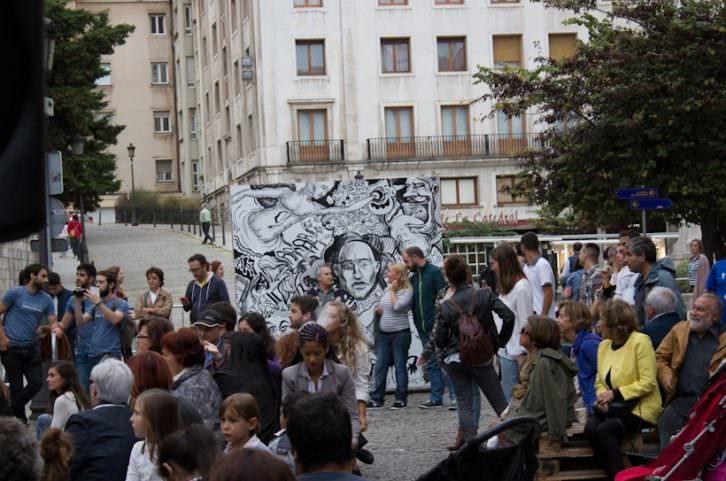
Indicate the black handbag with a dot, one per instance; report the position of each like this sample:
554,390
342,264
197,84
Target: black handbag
618,409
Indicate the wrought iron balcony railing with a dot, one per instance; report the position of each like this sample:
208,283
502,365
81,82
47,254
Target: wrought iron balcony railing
451,146
313,151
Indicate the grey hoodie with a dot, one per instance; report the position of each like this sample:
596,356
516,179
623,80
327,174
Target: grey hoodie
663,273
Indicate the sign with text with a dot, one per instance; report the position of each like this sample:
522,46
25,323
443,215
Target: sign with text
650,204
629,193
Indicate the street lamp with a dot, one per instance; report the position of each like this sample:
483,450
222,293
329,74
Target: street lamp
132,150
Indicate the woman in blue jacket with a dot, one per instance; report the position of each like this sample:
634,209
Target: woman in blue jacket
574,321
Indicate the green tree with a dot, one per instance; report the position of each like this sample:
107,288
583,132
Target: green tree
82,38
643,102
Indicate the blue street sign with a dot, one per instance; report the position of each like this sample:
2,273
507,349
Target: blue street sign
649,203
629,193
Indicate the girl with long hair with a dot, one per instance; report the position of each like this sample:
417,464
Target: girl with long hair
155,416
351,349
66,397
515,292
318,372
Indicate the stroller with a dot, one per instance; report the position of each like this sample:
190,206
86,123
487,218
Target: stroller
701,441
474,461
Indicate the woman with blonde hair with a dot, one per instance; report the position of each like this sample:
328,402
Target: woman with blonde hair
393,336
627,392
351,349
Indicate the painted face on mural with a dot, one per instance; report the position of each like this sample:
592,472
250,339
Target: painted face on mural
358,269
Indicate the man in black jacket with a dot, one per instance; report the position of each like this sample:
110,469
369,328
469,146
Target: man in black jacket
103,436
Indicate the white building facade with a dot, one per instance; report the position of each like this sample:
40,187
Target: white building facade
293,90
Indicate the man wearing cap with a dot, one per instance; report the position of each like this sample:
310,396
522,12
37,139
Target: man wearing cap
210,327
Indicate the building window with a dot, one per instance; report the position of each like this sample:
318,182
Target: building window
399,122
163,171
310,56
562,45
455,129
504,1
206,106
193,123
159,73
390,3
233,14
237,74
215,41
162,122
188,19
191,71
105,78
220,156
459,191
204,52
217,102
451,54
395,55
307,3
251,139
511,139
195,175
225,67
312,133
504,195
158,24
238,132
449,2
507,51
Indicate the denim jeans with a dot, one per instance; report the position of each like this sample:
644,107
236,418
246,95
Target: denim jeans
84,365
674,417
465,378
42,424
475,396
22,362
391,349
509,370
435,375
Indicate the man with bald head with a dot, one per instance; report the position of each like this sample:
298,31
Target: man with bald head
689,354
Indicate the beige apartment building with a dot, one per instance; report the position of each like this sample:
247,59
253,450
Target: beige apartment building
294,90
139,87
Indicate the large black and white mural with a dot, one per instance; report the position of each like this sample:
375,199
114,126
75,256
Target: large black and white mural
284,232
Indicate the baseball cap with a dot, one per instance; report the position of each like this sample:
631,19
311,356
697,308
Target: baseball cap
208,318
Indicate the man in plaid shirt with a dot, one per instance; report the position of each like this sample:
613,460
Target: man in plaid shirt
591,284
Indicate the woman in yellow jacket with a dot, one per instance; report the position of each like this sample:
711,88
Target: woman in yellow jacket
627,391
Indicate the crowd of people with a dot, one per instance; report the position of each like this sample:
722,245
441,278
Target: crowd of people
133,398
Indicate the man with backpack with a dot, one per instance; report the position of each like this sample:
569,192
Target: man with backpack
468,337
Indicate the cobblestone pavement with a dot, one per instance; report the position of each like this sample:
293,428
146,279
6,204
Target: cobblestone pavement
135,249
406,443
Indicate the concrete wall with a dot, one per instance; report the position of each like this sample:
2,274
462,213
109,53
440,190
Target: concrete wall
14,256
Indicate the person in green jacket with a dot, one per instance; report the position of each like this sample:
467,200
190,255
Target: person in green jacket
546,390
427,280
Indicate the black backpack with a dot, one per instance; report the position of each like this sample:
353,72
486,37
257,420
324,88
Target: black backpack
475,347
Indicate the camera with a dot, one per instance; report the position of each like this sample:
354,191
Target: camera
79,291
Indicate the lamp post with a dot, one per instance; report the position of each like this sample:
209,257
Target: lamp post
132,150
44,236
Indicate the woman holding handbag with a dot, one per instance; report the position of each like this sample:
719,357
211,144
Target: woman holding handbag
627,392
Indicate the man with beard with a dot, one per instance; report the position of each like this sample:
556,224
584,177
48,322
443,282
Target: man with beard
107,314
76,321
427,280
24,308
685,359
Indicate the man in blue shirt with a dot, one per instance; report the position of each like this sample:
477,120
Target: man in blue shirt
108,313
24,308
77,317
716,283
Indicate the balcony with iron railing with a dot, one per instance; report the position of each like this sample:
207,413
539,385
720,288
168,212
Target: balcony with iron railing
451,146
315,151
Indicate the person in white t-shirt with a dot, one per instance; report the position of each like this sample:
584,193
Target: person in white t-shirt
540,275
625,281
516,292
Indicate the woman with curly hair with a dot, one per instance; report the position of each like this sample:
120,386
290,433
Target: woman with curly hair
184,353
351,349
56,451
